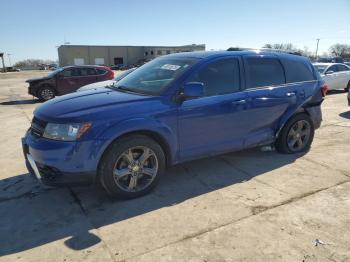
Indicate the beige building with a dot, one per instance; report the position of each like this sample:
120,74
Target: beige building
114,55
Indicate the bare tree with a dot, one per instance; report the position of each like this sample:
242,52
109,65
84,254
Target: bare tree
32,63
342,50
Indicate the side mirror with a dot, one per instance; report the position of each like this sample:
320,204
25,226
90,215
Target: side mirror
329,72
193,90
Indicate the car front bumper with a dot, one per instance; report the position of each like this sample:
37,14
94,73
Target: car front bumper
58,163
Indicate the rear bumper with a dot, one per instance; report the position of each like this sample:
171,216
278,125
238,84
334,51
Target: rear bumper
56,167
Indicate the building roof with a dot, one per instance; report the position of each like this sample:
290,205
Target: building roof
166,46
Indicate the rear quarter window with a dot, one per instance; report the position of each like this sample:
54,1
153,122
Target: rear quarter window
100,71
298,71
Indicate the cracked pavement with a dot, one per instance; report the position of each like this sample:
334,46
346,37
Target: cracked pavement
243,206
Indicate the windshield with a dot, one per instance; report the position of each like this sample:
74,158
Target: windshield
124,74
320,68
153,77
55,72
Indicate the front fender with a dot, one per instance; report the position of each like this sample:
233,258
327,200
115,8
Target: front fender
137,124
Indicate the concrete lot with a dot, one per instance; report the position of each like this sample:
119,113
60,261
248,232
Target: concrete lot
244,206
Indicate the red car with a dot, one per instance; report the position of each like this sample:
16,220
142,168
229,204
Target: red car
67,80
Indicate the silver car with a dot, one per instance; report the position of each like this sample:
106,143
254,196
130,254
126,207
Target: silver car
336,75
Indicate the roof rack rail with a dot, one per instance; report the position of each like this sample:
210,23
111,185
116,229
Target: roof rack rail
264,49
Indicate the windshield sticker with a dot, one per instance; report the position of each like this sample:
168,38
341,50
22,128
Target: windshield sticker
170,67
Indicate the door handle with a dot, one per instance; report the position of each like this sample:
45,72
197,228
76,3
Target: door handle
290,94
238,102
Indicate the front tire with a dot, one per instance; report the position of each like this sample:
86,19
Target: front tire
46,93
131,166
296,136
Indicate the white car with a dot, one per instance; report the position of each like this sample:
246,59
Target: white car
336,75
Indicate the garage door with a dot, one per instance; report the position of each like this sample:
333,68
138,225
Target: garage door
79,61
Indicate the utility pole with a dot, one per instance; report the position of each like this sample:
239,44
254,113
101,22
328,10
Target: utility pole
8,55
318,40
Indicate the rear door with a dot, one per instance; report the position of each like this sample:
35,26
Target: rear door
88,76
268,97
69,80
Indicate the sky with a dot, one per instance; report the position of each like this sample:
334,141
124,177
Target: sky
34,28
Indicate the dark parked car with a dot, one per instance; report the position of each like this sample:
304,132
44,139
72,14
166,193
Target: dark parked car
173,109
67,80
107,82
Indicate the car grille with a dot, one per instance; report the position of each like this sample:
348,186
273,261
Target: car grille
37,127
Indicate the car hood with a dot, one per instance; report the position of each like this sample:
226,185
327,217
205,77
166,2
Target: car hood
37,79
95,103
96,85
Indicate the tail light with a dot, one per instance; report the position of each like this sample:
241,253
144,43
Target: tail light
110,74
324,90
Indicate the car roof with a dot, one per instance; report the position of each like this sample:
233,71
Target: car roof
75,66
214,54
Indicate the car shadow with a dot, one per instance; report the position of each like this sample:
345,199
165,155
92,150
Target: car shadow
33,216
20,102
345,114
334,92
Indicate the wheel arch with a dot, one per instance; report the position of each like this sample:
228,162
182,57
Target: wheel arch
156,136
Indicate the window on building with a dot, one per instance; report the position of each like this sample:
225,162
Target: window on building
167,52
159,52
219,77
146,53
152,53
263,71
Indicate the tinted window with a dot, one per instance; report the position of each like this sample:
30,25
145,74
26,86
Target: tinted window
343,68
297,71
332,68
100,71
264,72
87,71
219,77
71,72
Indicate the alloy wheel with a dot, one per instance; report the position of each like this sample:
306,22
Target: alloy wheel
47,94
299,135
135,169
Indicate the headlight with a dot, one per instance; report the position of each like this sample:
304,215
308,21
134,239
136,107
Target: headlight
65,132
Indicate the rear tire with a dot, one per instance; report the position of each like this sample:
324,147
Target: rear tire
131,166
46,93
296,136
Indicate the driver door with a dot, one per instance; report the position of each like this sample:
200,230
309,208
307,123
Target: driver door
213,123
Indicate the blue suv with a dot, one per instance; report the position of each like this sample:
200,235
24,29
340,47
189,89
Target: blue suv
173,109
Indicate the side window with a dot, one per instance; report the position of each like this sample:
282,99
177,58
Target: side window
332,68
76,72
264,71
297,71
100,71
219,77
343,68
87,71
66,73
